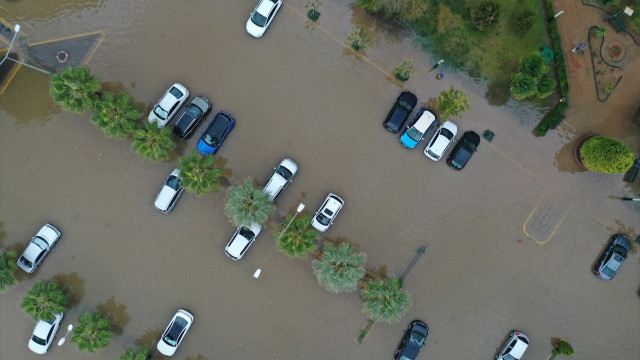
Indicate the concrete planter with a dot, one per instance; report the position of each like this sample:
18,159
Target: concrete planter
576,150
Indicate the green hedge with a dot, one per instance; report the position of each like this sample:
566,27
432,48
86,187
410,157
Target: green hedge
605,155
552,119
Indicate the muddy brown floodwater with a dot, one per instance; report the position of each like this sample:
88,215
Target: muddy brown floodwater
511,238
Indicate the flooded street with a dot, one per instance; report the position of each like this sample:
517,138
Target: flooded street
491,264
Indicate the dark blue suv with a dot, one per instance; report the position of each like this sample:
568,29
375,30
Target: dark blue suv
400,112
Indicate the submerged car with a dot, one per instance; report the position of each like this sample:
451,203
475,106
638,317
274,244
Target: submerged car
514,347
413,341
280,178
330,208
611,260
216,133
400,111
175,332
38,248
168,105
261,17
242,240
44,333
421,125
441,140
197,109
463,150
170,193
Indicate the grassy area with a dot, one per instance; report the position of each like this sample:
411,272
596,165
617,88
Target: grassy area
493,54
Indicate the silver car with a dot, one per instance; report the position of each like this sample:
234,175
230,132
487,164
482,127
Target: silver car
38,248
169,193
280,178
330,208
514,347
44,333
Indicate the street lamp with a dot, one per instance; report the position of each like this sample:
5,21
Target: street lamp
65,335
298,210
16,29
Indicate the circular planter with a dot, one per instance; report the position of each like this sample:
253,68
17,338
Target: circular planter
576,150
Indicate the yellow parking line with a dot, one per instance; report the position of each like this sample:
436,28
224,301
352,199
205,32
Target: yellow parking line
13,74
524,225
67,38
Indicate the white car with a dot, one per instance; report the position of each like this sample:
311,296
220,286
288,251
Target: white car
441,140
168,105
175,332
170,192
330,208
281,177
43,334
242,240
38,248
514,347
262,16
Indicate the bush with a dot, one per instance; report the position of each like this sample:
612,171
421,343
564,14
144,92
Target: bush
360,39
600,31
524,22
534,65
558,57
563,348
523,86
546,84
405,70
606,155
551,119
485,15
312,13
405,10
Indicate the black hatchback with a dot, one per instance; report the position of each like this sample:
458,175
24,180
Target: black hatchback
613,257
463,150
400,111
197,109
412,341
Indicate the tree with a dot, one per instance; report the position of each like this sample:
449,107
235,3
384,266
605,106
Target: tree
75,90
546,84
404,10
360,39
299,239
199,174
606,155
384,300
534,65
563,348
312,13
7,269
485,15
115,116
45,300
523,86
340,267
246,204
600,31
453,103
93,332
524,22
153,143
405,70
130,354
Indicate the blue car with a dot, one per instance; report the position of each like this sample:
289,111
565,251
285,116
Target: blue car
424,122
216,133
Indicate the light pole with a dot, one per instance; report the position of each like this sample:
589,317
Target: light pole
65,335
16,29
298,210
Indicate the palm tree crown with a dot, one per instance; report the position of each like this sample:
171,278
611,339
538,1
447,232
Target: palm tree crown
115,116
130,354
299,239
75,89
153,143
247,204
45,300
384,300
7,269
340,267
199,174
93,332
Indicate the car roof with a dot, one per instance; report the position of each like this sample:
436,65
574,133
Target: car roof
518,348
276,181
42,329
334,202
164,197
409,97
240,242
426,119
219,124
31,251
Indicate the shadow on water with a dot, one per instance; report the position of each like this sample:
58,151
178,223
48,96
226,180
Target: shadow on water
3,233
117,313
73,285
628,231
197,357
149,339
383,30
565,161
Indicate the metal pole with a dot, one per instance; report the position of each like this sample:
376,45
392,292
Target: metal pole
29,66
16,29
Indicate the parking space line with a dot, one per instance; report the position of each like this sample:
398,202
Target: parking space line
555,229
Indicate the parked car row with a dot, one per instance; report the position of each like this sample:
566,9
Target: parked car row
422,124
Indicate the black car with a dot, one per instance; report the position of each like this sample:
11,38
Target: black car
400,111
613,257
197,109
463,150
413,341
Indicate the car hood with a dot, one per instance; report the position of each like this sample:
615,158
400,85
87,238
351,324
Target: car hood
255,30
164,197
426,119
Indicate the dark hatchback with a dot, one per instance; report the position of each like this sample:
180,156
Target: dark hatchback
613,257
463,150
197,109
412,341
216,133
400,111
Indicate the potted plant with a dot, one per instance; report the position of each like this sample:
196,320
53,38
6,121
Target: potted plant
603,154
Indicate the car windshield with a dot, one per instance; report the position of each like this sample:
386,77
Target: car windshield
195,111
433,154
414,134
405,105
160,112
40,242
508,357
258,19
210,140
248,234
446,133
417,338
607,271
37,340
174,332
175,92
26,262
284,172
173,182
323,219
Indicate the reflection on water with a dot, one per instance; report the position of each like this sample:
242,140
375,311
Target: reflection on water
117,314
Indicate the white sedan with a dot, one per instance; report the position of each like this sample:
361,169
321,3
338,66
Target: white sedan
169,193
242,240
175,332
168,105
38,248
44,333
330,208
441,140
262,16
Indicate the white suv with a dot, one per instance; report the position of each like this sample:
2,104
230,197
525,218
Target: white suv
441,140
281,177
514,347
330,208
170,192
242,240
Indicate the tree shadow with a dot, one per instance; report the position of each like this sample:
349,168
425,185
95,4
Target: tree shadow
73,285
117,314
227,173
197,357
3,233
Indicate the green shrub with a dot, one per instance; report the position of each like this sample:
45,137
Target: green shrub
534,65
551,119
523,86
600,31
485,15
606,155
312,13
546,84
360,39
405,10
524,22
558,57
563,348
405,70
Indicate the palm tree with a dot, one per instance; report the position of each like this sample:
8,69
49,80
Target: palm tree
384,300
339,267
7,269
199,174
44,300
115,116
246,204
76,89
299,239
153,143
93,332
130,354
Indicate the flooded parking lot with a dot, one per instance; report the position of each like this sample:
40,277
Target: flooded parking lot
489,267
